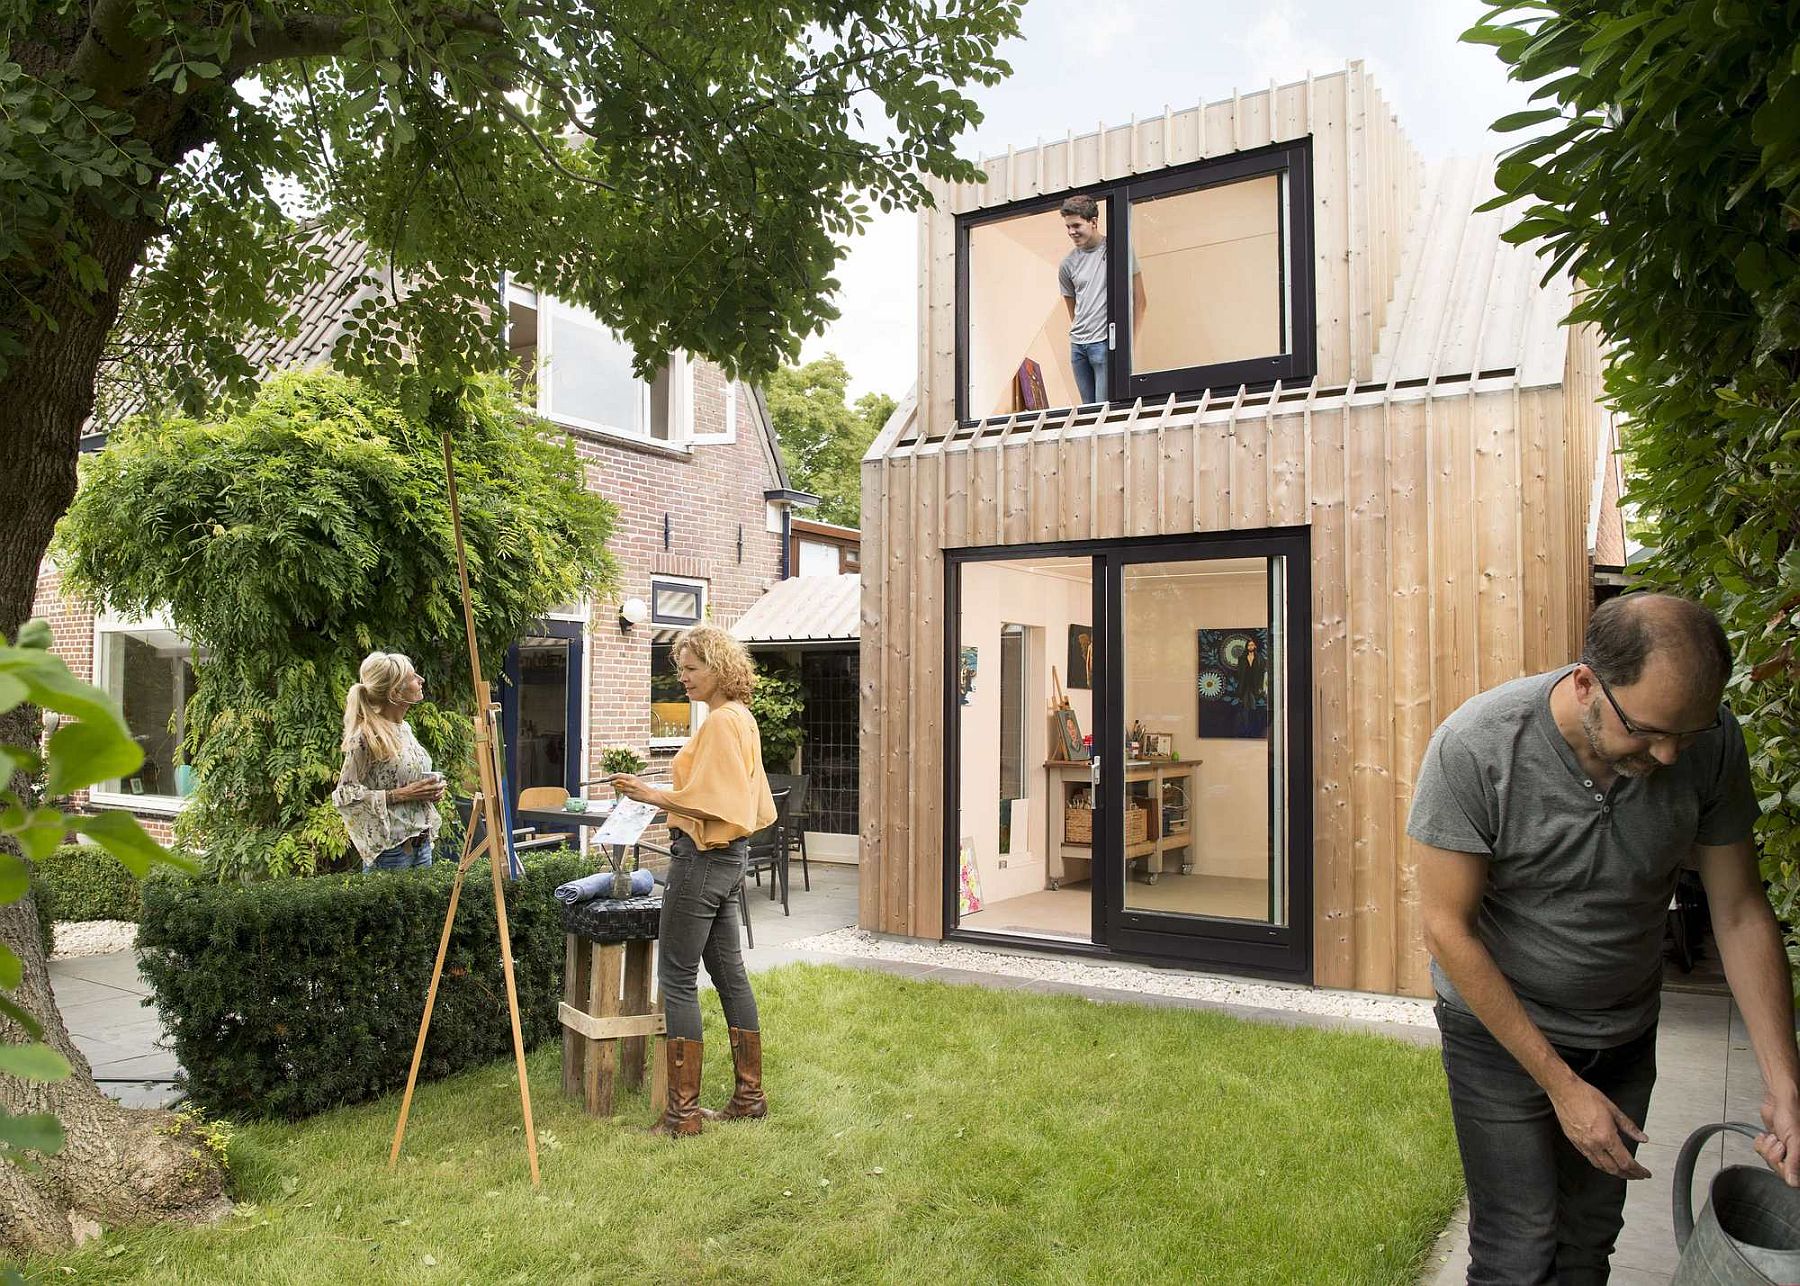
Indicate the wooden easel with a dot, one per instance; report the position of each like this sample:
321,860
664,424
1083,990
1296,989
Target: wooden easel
489,810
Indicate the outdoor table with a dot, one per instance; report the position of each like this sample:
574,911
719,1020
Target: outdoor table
560,819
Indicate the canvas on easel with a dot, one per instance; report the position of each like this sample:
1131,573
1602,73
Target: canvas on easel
490,816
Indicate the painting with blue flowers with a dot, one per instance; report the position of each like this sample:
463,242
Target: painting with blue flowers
1234,683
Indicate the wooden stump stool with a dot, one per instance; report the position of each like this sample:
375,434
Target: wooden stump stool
606,1012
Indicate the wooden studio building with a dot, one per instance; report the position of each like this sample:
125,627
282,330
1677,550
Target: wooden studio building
1353,469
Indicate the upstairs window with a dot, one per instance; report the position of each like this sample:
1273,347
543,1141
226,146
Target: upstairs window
148,669
1205,282
574,370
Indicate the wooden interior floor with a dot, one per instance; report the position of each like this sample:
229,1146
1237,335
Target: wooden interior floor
1066,913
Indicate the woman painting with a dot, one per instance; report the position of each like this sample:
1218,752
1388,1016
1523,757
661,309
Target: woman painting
719,798
387,793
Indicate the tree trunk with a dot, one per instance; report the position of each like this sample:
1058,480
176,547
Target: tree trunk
118,1165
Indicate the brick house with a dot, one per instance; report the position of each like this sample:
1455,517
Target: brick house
704,529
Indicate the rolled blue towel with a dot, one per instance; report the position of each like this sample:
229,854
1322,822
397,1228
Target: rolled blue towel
599,885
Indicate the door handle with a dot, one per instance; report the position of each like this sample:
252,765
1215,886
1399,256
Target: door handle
1094,775
1112,336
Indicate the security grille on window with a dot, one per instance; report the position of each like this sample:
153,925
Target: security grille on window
677,603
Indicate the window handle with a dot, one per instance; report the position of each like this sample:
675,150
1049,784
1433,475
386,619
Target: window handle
1112,336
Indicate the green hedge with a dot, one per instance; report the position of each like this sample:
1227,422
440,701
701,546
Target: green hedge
85,882
289,997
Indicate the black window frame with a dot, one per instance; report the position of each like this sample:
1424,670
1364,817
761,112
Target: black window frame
1292,160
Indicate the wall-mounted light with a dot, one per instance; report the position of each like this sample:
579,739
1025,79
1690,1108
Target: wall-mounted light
633,611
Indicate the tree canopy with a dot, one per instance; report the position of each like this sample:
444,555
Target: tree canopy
1664,171
823,438
291,539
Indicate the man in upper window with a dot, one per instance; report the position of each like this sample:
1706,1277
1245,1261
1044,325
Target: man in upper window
1557,812
1082,277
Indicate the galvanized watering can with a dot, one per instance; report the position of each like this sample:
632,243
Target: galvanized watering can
1749,1232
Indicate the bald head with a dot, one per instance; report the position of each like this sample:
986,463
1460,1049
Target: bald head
1627,633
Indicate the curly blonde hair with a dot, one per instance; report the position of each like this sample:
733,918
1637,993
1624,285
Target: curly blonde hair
719,652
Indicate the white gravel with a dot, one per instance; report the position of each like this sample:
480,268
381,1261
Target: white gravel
93,937
1142,979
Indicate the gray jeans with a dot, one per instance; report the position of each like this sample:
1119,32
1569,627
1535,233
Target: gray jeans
700,922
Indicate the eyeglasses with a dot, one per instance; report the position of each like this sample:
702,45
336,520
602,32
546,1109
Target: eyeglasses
1637,729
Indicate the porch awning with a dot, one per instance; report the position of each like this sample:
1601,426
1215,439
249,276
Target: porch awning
805,610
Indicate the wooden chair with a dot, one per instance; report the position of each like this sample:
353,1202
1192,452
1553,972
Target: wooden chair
796,786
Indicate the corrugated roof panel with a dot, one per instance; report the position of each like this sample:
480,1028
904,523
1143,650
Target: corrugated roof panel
805,609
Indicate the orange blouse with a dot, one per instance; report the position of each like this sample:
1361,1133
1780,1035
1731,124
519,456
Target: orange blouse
720,772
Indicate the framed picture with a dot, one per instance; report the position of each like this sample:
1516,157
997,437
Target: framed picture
1234,683
1081,656
968,882
965,674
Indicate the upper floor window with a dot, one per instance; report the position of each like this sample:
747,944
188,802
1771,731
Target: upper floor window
1173,282
581,372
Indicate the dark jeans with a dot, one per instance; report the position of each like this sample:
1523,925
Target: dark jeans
1091,379
407,854
700,922
1539,1211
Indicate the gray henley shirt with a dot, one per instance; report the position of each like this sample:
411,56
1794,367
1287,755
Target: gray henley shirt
1579,876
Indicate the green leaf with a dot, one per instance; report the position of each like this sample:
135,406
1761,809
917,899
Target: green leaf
36,634
1522,120
12,691
39,1133
22,1016
33,1063
15,882
124,837
39,832
84,753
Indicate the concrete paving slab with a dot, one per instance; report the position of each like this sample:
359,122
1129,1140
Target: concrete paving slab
119,969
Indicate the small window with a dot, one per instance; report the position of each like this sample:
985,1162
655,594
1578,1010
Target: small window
677,603
148,669
818,558
572,368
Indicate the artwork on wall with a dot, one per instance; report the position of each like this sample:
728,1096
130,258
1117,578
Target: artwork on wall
1081,657
968,883
965,674
1234,683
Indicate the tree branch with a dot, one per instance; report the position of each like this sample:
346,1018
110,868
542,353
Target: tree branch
110,58
313,36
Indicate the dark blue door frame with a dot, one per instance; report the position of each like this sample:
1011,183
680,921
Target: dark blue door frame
571,632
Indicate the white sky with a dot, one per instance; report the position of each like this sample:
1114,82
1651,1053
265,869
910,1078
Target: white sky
1080,62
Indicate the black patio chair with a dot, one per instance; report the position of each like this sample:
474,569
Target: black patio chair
795,785
769,850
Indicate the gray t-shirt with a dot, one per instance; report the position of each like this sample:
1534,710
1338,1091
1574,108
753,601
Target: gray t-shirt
1579,877
1082,277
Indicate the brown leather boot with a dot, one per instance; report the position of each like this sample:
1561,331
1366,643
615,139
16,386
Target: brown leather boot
681,1117
747,1102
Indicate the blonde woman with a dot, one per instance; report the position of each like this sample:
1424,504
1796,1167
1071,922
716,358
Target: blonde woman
720,797
387,792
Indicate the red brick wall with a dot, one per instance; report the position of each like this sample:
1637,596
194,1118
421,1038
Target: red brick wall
707,491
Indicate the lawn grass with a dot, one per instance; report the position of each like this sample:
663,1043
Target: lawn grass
920,1133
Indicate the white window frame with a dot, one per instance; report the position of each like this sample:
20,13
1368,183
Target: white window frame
106,623
681,379
696,709
729,436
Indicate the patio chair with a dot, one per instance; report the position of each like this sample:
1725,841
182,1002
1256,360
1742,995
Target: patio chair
795,785
542,797
641,847
769,850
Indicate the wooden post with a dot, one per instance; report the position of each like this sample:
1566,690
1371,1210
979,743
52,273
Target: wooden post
577,963
603,1001
637,1001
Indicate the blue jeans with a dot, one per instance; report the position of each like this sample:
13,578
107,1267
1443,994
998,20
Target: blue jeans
1089,361
404,856
1539,1211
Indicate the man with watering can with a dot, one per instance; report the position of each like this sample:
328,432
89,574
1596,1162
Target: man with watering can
1555,813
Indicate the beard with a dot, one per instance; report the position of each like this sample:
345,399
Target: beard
1641,764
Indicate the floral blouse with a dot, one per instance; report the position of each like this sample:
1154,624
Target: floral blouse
361,796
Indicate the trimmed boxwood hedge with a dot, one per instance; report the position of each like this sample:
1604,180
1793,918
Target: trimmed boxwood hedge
85,882
286,998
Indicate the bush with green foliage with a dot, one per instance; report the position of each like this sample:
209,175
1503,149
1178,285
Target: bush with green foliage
84,882
289,540
778,701
1666,176
287,997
